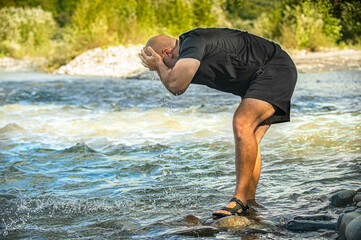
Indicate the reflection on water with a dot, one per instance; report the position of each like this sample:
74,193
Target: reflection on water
89,157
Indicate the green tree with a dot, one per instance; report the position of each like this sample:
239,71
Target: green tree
25,32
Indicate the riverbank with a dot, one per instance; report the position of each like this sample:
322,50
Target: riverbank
123,62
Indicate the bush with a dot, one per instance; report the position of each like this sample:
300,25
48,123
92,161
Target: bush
351,22
303,25
97,23
26,32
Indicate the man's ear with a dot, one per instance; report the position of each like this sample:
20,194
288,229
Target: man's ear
168,52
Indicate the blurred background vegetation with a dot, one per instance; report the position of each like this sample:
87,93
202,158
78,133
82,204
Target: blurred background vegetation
58,30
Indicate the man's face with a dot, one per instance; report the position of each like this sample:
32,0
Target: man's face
170,58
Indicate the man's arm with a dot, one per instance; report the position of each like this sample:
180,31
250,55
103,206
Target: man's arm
176,79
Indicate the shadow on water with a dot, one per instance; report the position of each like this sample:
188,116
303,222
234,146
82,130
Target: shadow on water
91,158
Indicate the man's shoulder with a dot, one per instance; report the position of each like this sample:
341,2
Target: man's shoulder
201,31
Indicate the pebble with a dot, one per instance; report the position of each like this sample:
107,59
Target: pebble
342,198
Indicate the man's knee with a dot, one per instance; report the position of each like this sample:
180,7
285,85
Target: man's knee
242,127
249,115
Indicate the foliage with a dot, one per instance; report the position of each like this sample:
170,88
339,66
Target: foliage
25,32
62,29
349,12
62,10
307,24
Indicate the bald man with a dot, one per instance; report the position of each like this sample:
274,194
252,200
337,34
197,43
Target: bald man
237,62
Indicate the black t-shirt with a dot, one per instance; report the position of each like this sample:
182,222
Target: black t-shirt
229,58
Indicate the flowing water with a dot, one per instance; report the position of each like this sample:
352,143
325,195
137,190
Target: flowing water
100,158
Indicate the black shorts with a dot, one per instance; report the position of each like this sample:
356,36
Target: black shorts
274,83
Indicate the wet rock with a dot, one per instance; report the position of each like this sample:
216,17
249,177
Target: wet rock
358,190
198,231
358,211
301,226
342,198
192,220
208,221
343,222
338,224
233,222
357,198
359,205
109,224
353,229
314,218
349,209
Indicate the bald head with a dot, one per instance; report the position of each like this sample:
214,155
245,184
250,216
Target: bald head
167,47
160,42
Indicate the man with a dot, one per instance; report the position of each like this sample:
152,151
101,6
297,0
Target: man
233,61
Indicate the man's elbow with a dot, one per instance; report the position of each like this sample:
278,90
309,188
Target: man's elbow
176,90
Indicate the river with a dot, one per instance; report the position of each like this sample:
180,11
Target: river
102,158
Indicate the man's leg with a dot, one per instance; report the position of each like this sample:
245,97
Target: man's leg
247,119
260,132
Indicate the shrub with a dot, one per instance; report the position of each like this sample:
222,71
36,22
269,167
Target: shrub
26,32
301,25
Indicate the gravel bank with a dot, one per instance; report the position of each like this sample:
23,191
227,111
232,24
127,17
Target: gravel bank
123,62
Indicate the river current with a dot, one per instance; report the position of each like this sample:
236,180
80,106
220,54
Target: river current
100,158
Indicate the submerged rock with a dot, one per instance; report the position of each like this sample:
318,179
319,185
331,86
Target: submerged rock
342,198
192,220
314,218
300,226
233,222
353,229
198,231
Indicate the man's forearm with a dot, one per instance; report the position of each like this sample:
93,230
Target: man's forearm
166,76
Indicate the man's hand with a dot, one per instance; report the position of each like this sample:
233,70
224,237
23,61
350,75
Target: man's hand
176,79
150,58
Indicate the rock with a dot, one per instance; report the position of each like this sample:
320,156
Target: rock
349,209
198,231
345,220
342,198
359,205
301,226
358,190
357,198
338,224
233,222
208,221
358,211
192,220
353,229
314,218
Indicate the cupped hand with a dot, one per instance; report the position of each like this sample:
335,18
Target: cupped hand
149,58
